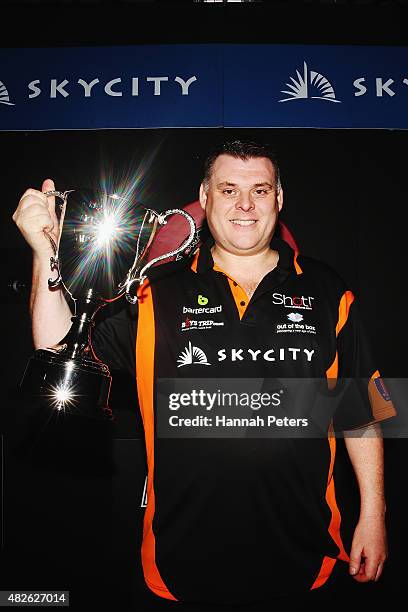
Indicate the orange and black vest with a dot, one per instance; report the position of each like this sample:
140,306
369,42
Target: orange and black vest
241,519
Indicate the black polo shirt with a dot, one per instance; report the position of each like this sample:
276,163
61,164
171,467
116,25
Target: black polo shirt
251,518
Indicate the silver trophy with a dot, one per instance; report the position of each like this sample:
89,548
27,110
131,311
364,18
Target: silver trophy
102,255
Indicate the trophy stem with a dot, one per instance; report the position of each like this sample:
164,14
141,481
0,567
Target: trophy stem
76,342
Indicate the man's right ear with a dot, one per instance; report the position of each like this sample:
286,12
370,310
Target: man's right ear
203,196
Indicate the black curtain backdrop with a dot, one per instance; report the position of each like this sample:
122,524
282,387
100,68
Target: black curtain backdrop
77,527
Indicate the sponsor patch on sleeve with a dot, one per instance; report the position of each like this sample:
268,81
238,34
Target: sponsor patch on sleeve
382,389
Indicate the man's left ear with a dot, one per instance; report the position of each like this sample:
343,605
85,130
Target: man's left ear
203,196
279,199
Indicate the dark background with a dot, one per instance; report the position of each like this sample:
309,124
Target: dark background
76,526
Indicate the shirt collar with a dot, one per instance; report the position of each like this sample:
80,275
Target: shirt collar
203,261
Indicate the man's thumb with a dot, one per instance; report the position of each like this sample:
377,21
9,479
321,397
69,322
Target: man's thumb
355,561
48,185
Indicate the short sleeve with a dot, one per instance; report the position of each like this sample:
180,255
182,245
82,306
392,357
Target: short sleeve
365,399
113,340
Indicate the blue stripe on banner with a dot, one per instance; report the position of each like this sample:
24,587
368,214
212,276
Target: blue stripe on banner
204,86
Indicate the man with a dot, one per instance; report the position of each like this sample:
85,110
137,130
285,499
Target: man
237,519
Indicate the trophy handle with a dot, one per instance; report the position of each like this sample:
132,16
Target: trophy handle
162,221
54,261
137,273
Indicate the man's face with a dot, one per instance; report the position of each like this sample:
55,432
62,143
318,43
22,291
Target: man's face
242,203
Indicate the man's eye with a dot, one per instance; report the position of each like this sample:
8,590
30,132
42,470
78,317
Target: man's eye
261,191
228,191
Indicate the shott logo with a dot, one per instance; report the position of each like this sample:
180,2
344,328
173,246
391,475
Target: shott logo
293,302
4,95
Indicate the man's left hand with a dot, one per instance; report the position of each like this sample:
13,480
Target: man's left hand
368,549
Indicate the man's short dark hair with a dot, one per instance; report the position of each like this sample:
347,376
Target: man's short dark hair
242,150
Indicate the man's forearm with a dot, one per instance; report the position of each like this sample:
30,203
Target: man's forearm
366,452
50,313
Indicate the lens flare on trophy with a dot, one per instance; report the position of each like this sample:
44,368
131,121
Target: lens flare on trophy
62,396
106,230
99,238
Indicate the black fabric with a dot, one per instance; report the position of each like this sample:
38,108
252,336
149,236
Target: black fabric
356,366
243,520
114,339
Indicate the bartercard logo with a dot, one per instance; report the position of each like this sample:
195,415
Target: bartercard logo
192,355
202,300
311,85
4,95
304,302
203,310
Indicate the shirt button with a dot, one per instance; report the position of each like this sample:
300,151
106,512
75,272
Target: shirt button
242,303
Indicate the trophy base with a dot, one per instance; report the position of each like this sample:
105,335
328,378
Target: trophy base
68,386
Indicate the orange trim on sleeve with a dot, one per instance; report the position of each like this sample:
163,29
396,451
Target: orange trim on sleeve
334,527
295,263
194,263
145,346
344,307
332,372
325,571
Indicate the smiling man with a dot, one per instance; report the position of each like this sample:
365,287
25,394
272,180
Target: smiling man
238,518
242,198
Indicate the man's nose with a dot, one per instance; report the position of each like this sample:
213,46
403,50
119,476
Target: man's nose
245,202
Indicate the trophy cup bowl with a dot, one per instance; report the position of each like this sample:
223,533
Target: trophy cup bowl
102,255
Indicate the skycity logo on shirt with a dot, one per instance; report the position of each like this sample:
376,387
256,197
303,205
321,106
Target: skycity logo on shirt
192,355
4,95
293,302
272,354
311,82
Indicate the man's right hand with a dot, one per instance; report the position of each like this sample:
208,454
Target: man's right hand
35,217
